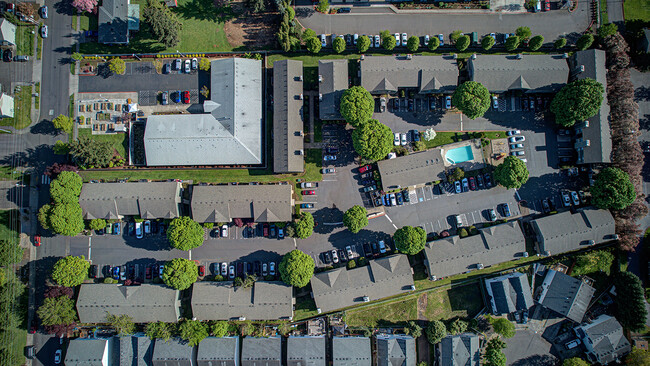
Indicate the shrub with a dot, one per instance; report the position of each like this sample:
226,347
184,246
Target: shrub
585,41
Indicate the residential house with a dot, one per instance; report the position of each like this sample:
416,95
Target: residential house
215,351
260,203
568,231
288,137
332,82
341,287
566,295
174,352
224,301
306,351
6,105
351,351
261,351
229,132
424,74
395,350
148,200
7,33
593,136
509,293
144,303
459,350
116,20
136,350
492,245
519,73
603,340
89,352
412,169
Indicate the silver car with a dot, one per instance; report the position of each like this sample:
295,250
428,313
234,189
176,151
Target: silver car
403,139
224,269
44,31
396,39
404,39
377,41
187,66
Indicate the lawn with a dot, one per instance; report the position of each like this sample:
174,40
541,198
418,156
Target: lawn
461,301
637,9
22,109
25,40
89,21
305,308
119,141
403,310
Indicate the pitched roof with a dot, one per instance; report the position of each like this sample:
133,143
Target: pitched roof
607,339
229,132
262,203
567,231
7,31
6,105
306,351
351,351
113,22
87,352
149,200
134,350
261,351
460,350
509,293
134,17
565,295
223,301
341,287
429,74
408,170
174,352
288,141
529,73
395,350
597,133
215,351
144,303
492,245
333,81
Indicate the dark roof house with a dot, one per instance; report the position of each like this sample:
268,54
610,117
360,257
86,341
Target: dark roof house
428,74
306,351
341,287
459,350
412,169
509,293
566,295
89,352
396,350
215,351
351,351
174,352
261,351
288,141
113,21
136,350
149,200
332,82
603,340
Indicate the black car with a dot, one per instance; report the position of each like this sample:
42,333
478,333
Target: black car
7,56
326,257
344,10
92,271
546,206
375,248
258,268
367,250
488,180
154,227
131,271
167,68
411,105
332,150
343,256
348,39
405,194
131,228
249,268
479,181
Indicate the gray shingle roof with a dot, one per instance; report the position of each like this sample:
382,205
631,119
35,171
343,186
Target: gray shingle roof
228,133
7,32
341,287
565,295
396,350
288,142
262,203
567,231
87,352
430,74
113,22
460,350
174,352
333,76
351,351
261,351
531,73
493,245
144,303
306,351
606,337
223,301
598,132
218,352
149,200
509,293
408,170
134,350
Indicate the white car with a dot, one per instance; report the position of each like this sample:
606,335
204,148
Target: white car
224,269
355,38
323,40
377,41
403,138
494,36
404,39
575,198
272,268
513,132
138,230
396,39
188,66
335,257
516,146
495,102
231,272
348,250
426,40
565,199
517,153
458,187
57,357
224,231
517,139
44,31
396,140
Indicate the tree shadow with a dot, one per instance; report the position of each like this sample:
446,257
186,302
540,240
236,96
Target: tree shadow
644,122
327,215
64,7
536,360
642,93
204,10
30,158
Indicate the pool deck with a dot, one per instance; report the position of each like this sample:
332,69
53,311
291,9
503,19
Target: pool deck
477,151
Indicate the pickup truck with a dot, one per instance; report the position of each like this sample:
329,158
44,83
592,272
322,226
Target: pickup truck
308,185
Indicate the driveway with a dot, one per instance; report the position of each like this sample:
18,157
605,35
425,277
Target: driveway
528,348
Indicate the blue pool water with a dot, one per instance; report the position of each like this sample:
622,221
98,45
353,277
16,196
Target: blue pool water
459,154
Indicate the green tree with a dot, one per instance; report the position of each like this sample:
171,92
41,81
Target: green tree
363,43
487,42
413,329
185,233
613,189
323,6
457,326
308,33
629,302
338,45
296,268
313,45
512,173
457,174
638,357
523,32
97,224
494,353
257,6
577,101
607,30
575,361
355,218
10,252
61,148
70,271
512,43
594,261
123,324
57,311
180,273
372,140
63,123
472,98
436,331
357,105
388,43
117,65
462,43
66,188
536,43
165,25
304,226
413,43
91,153
159,330
455,35
66,219
77,56
585,41
204,64
44,216
503,327
219,328
410,240
559,43
434,43
193,331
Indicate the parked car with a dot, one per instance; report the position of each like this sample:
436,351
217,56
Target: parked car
167,68
516,146
393,200
195,63
272,268
265,269
397,43
92,271
57,357
309,193
7,55
442,39
329,170
109,228
231,272
258,268
545,206
458,187
147,227
117,228
517,139
224,231
147,273
123,273
44,31
426,39
280,233
492,214
165,98
404,39
305,205
335,256
176,96
479,181
396,139
448,102
506,210
398,196
465,182
377,41
201,271
495,102
547,5
355,39
138,230
403,139
583,197
186,97
116,272
575,198
224,269
565,199
517,153
37,240
472,183
44,12
382,103
329,157
323,40
488,180
187,66
177,64
365,168
416,135
513,132
382,247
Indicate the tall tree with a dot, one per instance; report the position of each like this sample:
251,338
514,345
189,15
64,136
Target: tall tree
536,43
413,43
296,268
585,41
357,105
389,42
512,173
63,123
577,101
84,5
494,353
66,219
434,43
159,330
180,273
630,302
313,45
185,233
487,42
512,43
355,218
164,24
410,240
338,45
193,331
613,189
304,226
10,252
463,42
575,361
57,311
70,271
91,153
219,328
607,30
372,140
559,43
503,326
523,32
436,331
97,224
638,357
363,43
472,98
123,323
117,65
66,188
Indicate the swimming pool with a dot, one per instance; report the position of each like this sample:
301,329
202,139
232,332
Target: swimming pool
459,154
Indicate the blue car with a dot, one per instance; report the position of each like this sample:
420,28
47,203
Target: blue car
116,272
177,96
398,195
117,228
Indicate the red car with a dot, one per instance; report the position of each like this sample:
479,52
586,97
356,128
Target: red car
37,240
365,168
201,271
472,183
147,273
266,230
186,97
547,5
309,193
